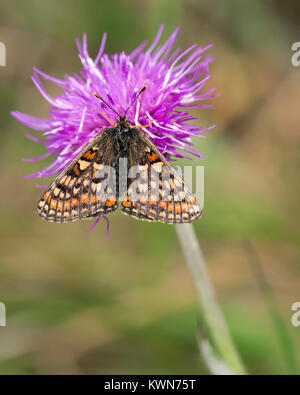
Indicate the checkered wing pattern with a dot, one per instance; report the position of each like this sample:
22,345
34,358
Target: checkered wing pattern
85,187
155,191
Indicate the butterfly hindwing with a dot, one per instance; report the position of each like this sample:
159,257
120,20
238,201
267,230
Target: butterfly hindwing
155,191
85,188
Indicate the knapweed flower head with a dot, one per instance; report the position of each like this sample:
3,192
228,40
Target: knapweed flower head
174,79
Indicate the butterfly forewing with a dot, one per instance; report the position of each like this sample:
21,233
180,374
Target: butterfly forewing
155,191
87,187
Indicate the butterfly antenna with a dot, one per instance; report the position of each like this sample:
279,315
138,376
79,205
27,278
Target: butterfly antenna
135,99
99,97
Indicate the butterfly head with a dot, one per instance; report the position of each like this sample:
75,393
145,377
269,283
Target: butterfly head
122,121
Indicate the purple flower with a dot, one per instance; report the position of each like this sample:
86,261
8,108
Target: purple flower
173,80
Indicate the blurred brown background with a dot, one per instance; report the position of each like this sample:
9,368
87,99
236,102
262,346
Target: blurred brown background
77,304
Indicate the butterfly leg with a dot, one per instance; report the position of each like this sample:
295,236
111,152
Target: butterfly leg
142,126
106,117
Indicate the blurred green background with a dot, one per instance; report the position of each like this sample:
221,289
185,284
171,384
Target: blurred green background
77,304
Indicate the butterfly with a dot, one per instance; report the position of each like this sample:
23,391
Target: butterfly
120,164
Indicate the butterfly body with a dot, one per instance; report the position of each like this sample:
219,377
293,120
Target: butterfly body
119,163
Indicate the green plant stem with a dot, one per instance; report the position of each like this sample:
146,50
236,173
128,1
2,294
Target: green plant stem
212,313
215,365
